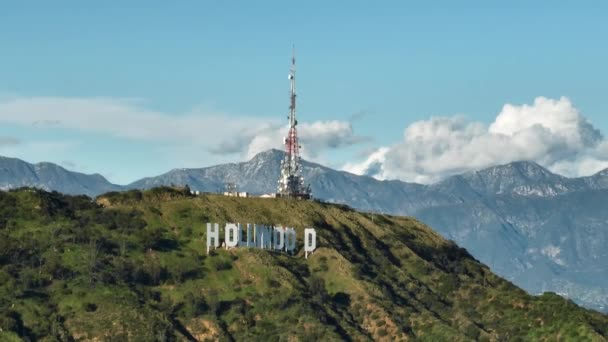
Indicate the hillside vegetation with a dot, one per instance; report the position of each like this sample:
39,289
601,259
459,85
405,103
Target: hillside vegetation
132,266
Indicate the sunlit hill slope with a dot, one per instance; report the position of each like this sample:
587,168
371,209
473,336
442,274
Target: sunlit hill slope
133,266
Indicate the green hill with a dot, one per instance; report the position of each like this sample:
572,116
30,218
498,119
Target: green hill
133,266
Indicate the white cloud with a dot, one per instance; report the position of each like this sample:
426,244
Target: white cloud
550,132
120,118
372,166
315,137
195,131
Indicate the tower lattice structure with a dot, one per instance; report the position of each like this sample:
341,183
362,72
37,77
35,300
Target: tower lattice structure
291,181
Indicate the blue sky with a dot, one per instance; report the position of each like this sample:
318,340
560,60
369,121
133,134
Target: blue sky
366,72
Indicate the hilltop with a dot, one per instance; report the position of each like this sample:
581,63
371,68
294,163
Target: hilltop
133,265
540,230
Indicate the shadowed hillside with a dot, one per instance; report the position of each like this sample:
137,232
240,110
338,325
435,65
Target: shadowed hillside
133,266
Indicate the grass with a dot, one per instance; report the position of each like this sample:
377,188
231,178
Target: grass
134,266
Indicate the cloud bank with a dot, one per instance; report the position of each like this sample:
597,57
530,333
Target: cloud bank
212,133
550,132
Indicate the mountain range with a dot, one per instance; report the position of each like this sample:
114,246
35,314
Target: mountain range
15,173
543,231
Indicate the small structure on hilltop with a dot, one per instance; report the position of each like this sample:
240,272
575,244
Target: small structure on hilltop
291,181
230,189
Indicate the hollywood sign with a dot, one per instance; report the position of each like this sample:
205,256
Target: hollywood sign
260,236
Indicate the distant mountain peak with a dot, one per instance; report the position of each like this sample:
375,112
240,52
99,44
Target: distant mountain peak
17,173
525,178
273,153
524,168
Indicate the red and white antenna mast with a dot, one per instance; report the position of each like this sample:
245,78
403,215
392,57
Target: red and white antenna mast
291,182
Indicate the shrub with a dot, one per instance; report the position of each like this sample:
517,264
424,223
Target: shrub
341,298
221,264
90,307
272,283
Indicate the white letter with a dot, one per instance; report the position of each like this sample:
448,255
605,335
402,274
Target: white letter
232,240
310,241
263,237
279,238
290,240
213,234
248,242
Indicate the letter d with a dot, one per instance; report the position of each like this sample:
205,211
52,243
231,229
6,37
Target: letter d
310,241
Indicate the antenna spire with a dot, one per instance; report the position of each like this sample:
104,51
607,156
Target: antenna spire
291,182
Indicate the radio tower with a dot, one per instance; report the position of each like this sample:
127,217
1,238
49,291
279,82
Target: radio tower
291,182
